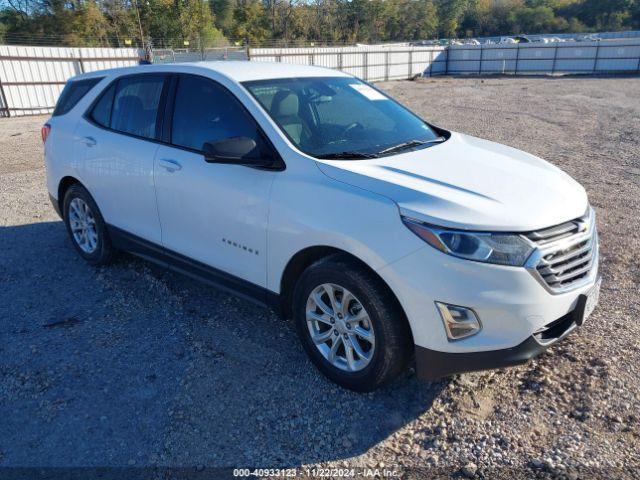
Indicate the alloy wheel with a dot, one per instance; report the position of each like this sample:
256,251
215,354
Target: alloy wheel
83,225
340,327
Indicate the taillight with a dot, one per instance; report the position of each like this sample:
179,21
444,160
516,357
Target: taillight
46,129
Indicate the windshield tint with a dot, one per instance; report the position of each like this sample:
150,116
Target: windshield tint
336,115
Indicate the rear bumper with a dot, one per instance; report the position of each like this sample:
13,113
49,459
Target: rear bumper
432,365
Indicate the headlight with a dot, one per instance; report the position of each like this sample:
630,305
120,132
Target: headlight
499,248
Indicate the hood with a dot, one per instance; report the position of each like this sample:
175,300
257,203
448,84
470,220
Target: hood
469,183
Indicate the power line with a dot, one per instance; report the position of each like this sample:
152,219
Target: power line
55,40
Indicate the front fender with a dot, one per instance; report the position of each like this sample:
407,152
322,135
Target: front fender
320,211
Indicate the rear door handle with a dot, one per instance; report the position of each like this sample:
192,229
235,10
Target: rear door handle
169,165
89,141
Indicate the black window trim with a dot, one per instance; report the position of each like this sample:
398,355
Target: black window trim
161,104
164,117
167,113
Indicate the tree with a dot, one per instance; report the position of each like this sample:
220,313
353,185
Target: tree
168,23
223,14
88,26
609,14
249,22
422,20
161,21
196,21
537,19
451,13
635,14
122,20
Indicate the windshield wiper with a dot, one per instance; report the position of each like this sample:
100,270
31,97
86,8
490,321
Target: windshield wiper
346,155
410,144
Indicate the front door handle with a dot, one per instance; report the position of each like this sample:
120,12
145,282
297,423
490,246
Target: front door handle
169,165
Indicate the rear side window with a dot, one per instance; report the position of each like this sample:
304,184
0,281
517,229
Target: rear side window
72,93
135,105
101,113
205,112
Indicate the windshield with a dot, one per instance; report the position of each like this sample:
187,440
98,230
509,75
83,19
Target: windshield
340,117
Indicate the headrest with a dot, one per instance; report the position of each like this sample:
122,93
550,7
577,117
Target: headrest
285,104
131,103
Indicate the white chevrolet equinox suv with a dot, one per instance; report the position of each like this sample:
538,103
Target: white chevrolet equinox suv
386,239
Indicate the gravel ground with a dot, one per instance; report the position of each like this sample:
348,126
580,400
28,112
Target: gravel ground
133,366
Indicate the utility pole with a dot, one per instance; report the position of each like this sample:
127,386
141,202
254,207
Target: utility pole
201,30
139,23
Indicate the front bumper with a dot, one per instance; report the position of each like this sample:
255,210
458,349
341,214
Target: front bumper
432,364
511,303
520,316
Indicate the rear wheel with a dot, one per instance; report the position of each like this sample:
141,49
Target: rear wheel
86,227
350,324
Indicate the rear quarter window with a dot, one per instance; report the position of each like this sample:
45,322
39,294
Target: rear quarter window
101,113
72,93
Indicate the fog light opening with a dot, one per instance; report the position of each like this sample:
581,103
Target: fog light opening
459,322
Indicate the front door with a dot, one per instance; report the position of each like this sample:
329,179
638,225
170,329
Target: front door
213,213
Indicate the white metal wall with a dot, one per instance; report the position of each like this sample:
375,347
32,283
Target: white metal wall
380,62
32,77
371,63
605,56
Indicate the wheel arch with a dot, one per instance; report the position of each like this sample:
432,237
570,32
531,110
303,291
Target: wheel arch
63,186
310,255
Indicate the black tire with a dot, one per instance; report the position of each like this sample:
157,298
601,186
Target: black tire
393,344
104,251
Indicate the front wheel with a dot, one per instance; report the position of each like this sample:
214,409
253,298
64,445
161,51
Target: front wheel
350,324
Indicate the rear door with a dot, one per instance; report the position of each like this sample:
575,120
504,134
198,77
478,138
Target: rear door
213,213
60,148
119,138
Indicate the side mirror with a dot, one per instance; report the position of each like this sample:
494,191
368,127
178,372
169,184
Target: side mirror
235,150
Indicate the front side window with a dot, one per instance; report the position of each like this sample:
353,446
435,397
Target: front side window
135,105
205,112
333,115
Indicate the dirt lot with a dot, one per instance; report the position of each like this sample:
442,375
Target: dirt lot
132,366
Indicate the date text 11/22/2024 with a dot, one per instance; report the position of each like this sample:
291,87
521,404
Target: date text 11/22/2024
386,472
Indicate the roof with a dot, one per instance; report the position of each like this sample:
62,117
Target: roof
239,71
244,71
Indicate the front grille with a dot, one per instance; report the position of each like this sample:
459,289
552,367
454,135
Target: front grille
553,234
567,253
